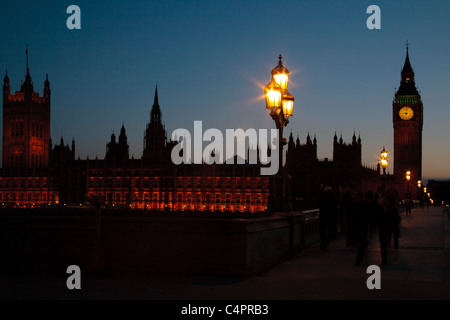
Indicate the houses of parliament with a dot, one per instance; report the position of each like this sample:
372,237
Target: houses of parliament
35,172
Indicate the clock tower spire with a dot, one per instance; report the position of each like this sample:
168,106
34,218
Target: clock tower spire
408,124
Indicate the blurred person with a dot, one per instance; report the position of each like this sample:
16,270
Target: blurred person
386,218
328,214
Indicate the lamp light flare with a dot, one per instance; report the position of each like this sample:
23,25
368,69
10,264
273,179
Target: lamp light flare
273,99
384,158
282,80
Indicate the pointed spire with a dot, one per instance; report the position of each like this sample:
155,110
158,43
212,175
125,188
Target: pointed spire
26,52
155,115
47,90
6,86
28,84
291,143
407,66
407,85
155,102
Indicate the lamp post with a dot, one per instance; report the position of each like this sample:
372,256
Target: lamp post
281,104
384,164
419,194
408,177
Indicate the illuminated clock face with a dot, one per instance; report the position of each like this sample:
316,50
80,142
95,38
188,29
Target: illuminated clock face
406,113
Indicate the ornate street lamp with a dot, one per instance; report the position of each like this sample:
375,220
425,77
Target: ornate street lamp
280,102
408,177
384,164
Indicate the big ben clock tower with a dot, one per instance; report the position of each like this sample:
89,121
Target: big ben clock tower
408,123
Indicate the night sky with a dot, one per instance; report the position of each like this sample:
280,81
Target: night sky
210,60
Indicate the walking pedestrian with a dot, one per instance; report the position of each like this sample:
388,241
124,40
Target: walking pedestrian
328,214
408,204
386,214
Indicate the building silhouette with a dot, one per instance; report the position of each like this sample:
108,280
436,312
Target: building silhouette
36,173
309,175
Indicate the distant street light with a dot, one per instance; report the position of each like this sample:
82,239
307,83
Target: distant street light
281,104
419,185
408,177
384,164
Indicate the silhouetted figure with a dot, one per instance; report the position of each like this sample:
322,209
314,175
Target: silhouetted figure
327,216
361,218
386,215
408,205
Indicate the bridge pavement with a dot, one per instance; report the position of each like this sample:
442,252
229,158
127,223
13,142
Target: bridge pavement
419,269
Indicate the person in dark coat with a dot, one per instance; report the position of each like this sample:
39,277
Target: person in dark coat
408,205
386,221
327,217
365,219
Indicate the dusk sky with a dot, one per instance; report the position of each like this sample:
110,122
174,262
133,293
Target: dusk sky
210,60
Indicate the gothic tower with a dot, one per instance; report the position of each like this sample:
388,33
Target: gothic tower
118,152
408,123
26,124
155,135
